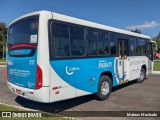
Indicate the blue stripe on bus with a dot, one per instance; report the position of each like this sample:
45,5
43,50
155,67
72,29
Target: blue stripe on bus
84,74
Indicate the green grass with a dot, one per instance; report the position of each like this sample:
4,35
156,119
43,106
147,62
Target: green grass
4,61
8,108
156,66
1,60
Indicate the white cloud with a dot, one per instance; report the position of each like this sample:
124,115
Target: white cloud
143,26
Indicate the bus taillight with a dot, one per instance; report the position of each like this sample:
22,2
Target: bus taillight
39,78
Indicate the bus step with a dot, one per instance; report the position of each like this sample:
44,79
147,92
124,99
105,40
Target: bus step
126,81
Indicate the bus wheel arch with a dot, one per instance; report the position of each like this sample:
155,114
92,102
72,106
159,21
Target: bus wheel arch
104,86
142,74
107,73
144,67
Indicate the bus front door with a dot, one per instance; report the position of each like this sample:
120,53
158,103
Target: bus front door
122,60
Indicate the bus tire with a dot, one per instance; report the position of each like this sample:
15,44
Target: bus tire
104,88
142,76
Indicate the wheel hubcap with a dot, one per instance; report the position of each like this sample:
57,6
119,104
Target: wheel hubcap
141,75
105,88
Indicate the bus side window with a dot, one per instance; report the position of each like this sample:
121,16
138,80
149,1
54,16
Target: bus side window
112,44
91,42
102,43
60,40
141,47
77,41
133,46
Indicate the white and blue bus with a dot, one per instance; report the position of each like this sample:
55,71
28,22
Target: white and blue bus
53,57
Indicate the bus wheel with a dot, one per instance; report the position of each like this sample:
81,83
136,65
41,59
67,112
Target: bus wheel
104,87
142,76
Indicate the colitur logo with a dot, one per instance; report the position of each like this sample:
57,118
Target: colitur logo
70,70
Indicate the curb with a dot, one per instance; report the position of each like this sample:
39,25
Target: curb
156,60
155,72
3,62
3,66
18,107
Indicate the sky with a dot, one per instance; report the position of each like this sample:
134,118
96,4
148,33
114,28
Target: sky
125,14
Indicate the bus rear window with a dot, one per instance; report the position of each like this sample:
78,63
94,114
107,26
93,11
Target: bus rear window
23,32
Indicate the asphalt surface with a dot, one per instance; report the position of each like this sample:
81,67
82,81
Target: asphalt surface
128,97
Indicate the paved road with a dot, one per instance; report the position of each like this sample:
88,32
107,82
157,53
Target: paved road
129,97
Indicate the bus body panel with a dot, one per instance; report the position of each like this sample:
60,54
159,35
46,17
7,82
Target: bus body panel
24,65
43,46
77,77
61,90
22,70
134,66
25,92
83,74
73,78
35,95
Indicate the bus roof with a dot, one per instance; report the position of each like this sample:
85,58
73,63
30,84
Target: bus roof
26,15
78,21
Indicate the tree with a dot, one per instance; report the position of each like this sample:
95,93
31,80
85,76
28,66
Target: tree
3,38
157,40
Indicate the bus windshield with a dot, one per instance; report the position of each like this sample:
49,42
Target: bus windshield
23,32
